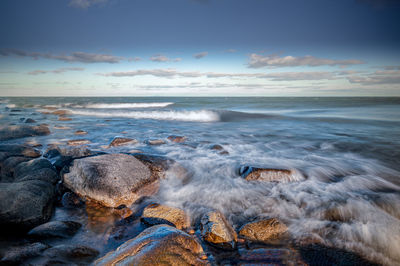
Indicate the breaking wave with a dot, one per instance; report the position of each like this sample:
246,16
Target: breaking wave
125,105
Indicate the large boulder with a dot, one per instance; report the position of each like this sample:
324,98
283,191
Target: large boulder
268,230
217,231
157,245
110,179
161,214
21,131
8,150
16,255
8,167
270,175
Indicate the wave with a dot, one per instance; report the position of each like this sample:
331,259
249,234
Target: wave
188,116
125,105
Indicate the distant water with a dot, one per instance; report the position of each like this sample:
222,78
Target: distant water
348,150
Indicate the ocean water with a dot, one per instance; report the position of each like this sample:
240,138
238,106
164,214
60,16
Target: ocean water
346,151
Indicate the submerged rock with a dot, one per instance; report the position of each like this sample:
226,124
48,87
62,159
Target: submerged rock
60,229
30,120
110,179
119,141
64,118
270,175
80,132
216,230
66,253
16,255
177,139
60,112
156,142
71,200
15,132
19,150
264,230
157,245
78,142
160,214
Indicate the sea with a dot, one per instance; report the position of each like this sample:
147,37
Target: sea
345,149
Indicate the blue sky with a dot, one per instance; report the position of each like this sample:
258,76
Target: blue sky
199,48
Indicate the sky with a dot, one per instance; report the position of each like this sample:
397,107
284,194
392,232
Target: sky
199,48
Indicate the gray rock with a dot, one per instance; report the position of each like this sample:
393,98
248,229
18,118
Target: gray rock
71,200
119,141
37,169
8,167
72,252
110,179
30,120
18,254
157,245
26,204
8,150
15,132
59,229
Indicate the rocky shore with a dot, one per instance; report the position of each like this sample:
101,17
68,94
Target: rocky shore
112,219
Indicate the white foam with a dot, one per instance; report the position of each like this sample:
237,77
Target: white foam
188,116
125,105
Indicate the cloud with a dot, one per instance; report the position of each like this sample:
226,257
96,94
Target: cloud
230,51
391,67
56,71
172,73
200,55
73,57
134,59
163,58
85,4
377,78
258,61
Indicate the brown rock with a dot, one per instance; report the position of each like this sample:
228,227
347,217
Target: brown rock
217,147
270,175
156,142
110,179
119,141
177,139
216,230
60,112
157,245
77,142
14,132
264,230
64,118
161,214
80,132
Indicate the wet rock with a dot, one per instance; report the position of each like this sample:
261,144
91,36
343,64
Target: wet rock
156,142
61,156
37,169
19,150
110,179
264,230
78,142
217,147
8,167
64,118
80,132
157,245
71,200
16,255
26,204
62,127
270,175
60,112
78,253
59,229
30,120
15,132
217,231
177,139
270,256
160,214
119,141
33,143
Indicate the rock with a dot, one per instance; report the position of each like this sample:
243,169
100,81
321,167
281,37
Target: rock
110,179
16,255
217,147
275,256
160,214
78,142
8,167
58,229
60,112
157,245
33,143
177,139
15,132
216,230
119,141
270,175
26,204
37,169
77,253
61,156
64,118
19,150
61,127
263,230
156,142
30,120
71,200
80,132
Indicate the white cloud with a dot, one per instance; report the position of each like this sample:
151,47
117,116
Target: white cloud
56,71
84,4
258,61
163,58
378,77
